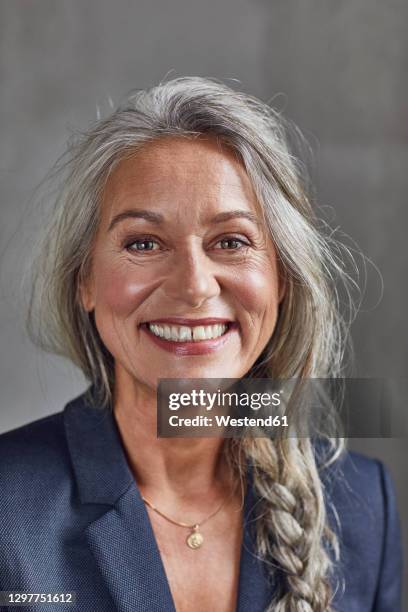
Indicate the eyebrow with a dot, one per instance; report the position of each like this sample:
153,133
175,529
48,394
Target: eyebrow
147,215
157,218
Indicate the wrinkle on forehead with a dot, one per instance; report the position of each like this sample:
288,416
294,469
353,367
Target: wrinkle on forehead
174,171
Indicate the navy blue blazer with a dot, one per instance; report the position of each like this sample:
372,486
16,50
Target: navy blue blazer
72,519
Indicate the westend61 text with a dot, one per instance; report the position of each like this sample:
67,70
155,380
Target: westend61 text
227,421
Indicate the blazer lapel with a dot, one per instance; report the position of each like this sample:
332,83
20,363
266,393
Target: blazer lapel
121,538
126,551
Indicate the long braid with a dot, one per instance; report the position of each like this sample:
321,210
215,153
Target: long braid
291,524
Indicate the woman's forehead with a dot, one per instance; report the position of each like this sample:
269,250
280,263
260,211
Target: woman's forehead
175,171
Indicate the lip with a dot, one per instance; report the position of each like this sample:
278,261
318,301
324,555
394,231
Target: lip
202,347
190,322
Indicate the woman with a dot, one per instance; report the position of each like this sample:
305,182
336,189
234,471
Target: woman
183,246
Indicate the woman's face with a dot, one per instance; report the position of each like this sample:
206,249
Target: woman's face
183,282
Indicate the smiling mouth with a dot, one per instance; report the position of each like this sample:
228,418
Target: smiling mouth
188,333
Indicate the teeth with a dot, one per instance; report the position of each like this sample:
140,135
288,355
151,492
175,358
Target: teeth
182,333
199,333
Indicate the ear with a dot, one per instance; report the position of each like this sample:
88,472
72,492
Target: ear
86,293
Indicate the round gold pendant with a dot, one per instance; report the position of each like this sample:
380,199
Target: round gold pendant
195,539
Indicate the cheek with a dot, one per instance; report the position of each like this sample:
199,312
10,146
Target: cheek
258,289
120,291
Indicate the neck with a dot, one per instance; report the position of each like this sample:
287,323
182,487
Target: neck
167,468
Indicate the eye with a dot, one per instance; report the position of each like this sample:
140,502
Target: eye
231,243
142,245
149,244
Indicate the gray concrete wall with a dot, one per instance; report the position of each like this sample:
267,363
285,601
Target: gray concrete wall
338,69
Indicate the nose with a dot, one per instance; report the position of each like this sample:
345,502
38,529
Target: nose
191,278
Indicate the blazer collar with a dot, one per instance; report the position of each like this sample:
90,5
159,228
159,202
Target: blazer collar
122,539
97,455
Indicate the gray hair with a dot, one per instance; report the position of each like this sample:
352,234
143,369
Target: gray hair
310,336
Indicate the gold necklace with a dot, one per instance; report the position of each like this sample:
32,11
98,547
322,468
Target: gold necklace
195,539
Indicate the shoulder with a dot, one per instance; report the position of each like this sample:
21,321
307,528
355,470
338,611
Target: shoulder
34,462
353,472
32,444
362,510
359,486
